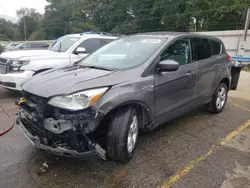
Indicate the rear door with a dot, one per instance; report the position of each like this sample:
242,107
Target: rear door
206,67
175,90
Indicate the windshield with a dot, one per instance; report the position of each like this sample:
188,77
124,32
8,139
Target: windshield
124,53
64,43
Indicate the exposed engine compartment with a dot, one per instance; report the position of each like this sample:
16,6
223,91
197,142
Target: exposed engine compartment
61,128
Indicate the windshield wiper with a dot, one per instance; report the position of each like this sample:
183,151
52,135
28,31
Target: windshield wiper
95,67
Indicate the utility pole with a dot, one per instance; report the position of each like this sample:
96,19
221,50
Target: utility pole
246,24
24,27
241,50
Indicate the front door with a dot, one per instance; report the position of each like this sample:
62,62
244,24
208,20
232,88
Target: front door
173,90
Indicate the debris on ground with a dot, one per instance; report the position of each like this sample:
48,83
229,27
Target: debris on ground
43,169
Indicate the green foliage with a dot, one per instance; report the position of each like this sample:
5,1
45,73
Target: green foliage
37,35
8,30
30,20
126,17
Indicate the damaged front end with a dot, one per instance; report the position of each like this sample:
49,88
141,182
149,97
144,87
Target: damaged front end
61,132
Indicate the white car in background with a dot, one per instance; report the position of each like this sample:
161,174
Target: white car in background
16,67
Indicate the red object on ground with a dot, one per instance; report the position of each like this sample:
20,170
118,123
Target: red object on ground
12,121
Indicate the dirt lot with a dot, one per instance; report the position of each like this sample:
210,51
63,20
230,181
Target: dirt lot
197,150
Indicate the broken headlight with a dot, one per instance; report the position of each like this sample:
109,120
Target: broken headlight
78,101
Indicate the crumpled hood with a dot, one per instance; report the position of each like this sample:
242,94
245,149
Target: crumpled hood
28,54
72,79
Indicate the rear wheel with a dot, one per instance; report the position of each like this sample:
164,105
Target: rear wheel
122,135
219,99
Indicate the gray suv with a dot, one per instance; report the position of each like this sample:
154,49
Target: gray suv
98,105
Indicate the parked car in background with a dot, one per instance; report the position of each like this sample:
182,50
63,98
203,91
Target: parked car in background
7,49
18,66
29,46
32,46
10,46
98,106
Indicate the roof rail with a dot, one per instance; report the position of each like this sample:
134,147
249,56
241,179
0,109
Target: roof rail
96,32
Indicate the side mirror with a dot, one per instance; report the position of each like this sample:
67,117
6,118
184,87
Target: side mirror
168,66
80,50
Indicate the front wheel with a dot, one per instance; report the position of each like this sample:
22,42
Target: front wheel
219,99
122,135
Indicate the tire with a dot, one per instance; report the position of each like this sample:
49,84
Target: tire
214,106
118,147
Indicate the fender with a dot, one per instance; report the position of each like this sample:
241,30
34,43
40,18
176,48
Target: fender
223,72
120,96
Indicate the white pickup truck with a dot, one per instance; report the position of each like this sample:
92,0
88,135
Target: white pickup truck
18,66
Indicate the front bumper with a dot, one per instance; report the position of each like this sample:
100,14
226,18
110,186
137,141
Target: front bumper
96,151
14,81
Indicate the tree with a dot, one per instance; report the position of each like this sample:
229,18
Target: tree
63,17
29,21
227,14
37,35
8,30
131,16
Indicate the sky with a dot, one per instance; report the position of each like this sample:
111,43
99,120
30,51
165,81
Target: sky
8,7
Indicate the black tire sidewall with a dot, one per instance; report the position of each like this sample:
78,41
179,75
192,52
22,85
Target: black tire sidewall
117,148
216,110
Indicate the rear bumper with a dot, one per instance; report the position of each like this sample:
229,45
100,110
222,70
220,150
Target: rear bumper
97,151
14,81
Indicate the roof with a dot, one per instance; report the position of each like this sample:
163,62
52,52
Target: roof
82,35
164,33
175,34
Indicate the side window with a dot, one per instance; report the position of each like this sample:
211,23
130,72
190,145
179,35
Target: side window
106,41
39,45
26,46
91,45
34,45
202,48
179,51
216,46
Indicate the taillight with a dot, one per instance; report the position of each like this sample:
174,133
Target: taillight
228,58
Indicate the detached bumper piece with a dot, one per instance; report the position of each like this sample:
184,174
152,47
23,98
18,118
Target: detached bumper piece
49,130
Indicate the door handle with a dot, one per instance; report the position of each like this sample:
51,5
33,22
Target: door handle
189,73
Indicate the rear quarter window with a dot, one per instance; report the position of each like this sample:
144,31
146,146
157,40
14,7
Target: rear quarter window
216,46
